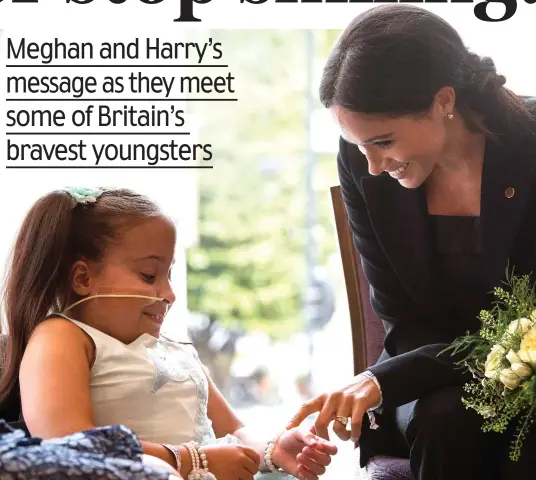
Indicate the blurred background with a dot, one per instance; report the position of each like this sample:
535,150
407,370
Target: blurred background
266,301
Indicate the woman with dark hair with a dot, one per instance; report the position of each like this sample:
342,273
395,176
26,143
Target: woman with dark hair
437,165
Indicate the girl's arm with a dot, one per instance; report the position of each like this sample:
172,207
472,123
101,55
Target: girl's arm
299,453
224,421
54,385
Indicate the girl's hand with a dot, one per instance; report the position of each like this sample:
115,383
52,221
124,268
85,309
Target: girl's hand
232,462
351,402
303,454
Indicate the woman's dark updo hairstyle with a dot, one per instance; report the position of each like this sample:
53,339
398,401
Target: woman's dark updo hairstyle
392,59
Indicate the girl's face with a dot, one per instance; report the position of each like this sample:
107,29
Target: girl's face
139,263
407,148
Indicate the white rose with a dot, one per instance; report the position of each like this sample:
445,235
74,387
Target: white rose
509,379
493,361
522,370
512,357
522,325
527,349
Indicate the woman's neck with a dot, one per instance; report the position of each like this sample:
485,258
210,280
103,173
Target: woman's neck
464,152
454,186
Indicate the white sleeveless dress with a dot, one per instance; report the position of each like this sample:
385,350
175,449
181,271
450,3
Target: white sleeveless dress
155,387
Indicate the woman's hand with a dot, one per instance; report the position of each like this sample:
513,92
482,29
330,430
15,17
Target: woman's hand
303,454
232,462
351,402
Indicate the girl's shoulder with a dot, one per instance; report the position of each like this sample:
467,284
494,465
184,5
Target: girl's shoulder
57,325
57,332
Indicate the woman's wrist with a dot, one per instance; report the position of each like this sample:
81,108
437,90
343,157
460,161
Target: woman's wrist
371,390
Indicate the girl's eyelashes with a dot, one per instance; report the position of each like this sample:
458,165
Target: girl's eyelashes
148,278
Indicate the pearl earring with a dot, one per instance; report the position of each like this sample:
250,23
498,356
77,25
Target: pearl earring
450,116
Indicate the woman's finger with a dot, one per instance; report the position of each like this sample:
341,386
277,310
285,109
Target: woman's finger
340,425
357,420
314,405
327,414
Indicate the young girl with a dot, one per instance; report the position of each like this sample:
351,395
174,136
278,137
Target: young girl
86,295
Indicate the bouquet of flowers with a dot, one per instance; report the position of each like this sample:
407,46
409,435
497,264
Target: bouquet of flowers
502,361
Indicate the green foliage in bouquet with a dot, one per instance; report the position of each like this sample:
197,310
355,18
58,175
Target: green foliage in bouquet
502,361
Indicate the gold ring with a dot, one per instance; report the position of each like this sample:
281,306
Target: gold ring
343,420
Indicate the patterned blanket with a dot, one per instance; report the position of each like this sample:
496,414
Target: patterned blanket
108,453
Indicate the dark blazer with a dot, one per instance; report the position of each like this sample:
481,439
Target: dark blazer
391,231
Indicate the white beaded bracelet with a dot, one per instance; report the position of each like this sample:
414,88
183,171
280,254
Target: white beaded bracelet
268,455
198,458
208,475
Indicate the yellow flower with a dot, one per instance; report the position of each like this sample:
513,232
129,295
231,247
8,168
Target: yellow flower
527,349
493,361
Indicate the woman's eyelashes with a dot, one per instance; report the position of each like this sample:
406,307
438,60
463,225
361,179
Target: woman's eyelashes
384,143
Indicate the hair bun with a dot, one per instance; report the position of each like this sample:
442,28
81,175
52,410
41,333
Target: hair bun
484,72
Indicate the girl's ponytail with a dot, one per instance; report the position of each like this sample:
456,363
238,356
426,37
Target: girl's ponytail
37,277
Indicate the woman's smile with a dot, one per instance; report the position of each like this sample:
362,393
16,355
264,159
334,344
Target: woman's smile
400,172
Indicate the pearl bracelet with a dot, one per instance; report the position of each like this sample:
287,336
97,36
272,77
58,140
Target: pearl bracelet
268,455
198,458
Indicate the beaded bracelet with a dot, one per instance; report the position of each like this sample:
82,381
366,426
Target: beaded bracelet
198,457
268,454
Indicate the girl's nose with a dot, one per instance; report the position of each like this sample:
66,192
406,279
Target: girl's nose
168,295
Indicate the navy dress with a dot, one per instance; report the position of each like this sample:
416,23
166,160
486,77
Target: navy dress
459,266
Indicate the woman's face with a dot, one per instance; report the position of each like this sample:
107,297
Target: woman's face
408,147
